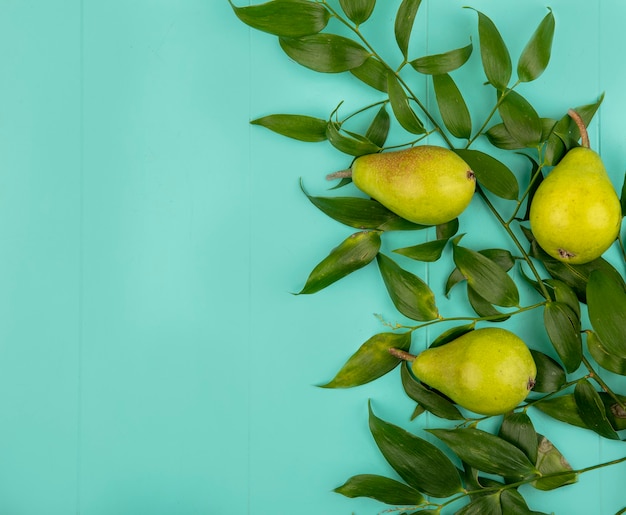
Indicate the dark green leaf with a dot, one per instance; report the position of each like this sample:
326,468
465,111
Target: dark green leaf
428,251
350,144
551,461
614,412
442,63
483,308
518,429
353,253
422,465
486,452
327,53
536,177
606,300
428,399
536,53
382,489
451,334
563,328
491,173
289,18
513,503
501,257
358,10
592,411
404,24
486,277
373,73
411,296
303,128
402,108
622,196
494,53
561,292
483,505
371,361
454,278
500,137
550,375
520,119
561,408
447,230
604,358
379,128
454,112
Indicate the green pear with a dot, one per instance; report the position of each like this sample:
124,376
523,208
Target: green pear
576,214
488,371
427,185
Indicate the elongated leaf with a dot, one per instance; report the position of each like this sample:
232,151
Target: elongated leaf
353,253
494,53
428,251
492,174
486,452
562,408
442,63
383,489
371,361
428,399
503,258
402,108
518,429
379,128
486,277
483,505
454,112
358,10
484,308
422,465
362,213
604,358
373,73
550,375
513,503
606,300
350,144
289,18
563,328
303,128
447,230
563,293
520,119
536,53
327,53
405,18
451,334
592,411
500,137
411,296
551,461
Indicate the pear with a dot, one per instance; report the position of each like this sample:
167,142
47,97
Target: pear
488,371
576,214
427,185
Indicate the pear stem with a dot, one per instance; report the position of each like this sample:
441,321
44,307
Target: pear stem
400,354
584,136
341,174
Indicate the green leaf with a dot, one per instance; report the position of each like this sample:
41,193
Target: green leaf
604,358
402,108
358,11
550,375
404,24
486,452
428,399
447,230
353,253
362,213
561,292
454,112
451,334
483,505
411,296
379,128
622,196
373,73
514,504
561,408
483,308
442,63
428,251
494,175
500,137
371,361
536,53
518,429
494,53
592,411
303,128
520,119
551,461
327,53
486,277
382,489
563,328
606,300
289,18
422,465
351,144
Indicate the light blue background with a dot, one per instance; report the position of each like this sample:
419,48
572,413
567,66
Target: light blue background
152,358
